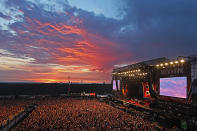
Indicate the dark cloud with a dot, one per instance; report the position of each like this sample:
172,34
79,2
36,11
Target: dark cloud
163,28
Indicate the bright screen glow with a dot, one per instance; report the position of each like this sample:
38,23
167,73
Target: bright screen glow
118,84
174,86
114,85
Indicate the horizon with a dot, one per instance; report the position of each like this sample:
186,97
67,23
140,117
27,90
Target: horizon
51,83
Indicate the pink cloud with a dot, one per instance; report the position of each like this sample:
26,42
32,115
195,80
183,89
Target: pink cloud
68,44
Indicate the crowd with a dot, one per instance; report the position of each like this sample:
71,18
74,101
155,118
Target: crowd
9,109
84,114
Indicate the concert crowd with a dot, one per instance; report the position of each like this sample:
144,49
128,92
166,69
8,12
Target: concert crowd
83,114
10,109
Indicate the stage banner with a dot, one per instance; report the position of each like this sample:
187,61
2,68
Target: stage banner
145,86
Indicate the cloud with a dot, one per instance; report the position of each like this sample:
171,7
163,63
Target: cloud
68,44
111,9
25,70
10,62
9,16
62,40
57,6
160,28
56,33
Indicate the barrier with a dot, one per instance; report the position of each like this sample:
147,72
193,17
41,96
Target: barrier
16,119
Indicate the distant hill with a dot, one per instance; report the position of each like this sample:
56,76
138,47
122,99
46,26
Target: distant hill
51,88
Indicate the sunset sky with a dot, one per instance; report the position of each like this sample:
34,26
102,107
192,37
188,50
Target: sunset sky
83,40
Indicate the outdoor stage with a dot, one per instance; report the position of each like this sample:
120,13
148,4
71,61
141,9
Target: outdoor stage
162,87
162,78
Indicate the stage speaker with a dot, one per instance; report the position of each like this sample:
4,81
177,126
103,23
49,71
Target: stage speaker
147,86
147,93
194,99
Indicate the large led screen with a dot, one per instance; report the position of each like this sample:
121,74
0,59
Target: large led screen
114,85
174,86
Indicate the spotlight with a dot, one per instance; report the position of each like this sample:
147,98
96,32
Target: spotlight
157,65
176,62
171,63
182,61
161,64
166,64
